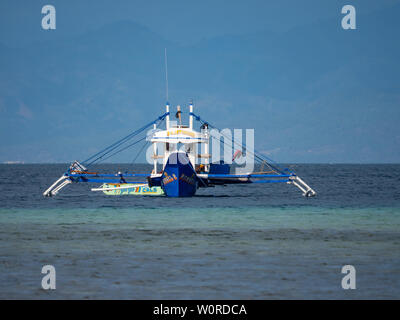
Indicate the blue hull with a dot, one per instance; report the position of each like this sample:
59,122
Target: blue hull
179,179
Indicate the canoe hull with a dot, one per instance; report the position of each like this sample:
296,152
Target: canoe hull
131,189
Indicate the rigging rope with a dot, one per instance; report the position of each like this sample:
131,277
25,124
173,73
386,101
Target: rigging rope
140,151
124,148
258,156
129,145
145,144
99,155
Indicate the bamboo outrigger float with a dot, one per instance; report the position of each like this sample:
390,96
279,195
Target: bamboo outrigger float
181,173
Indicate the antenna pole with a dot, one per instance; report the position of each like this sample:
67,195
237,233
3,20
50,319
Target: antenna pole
166,72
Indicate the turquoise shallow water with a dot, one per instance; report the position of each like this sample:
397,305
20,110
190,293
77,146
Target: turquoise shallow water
228,243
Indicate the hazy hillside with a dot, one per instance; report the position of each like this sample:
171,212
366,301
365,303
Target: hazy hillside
63,99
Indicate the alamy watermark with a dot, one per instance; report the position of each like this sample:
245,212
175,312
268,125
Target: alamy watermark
226,145
349,280
349,20
49,20
49,280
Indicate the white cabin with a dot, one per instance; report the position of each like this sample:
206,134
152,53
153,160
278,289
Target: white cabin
178,137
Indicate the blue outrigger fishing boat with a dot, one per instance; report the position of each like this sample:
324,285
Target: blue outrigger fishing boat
183,169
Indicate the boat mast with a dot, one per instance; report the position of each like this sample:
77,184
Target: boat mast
191,116
155,156
167,116
166,89
166,73
206,149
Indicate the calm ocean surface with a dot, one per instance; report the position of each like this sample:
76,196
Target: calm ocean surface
261,241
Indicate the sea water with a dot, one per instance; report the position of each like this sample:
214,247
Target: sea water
256,241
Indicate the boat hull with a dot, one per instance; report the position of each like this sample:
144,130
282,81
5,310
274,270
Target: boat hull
179,179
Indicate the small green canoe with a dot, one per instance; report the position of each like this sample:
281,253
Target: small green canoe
129,189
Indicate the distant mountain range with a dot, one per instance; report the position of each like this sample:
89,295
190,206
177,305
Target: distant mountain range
313,94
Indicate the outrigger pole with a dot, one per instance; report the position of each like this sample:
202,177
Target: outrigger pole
291,178
78,172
